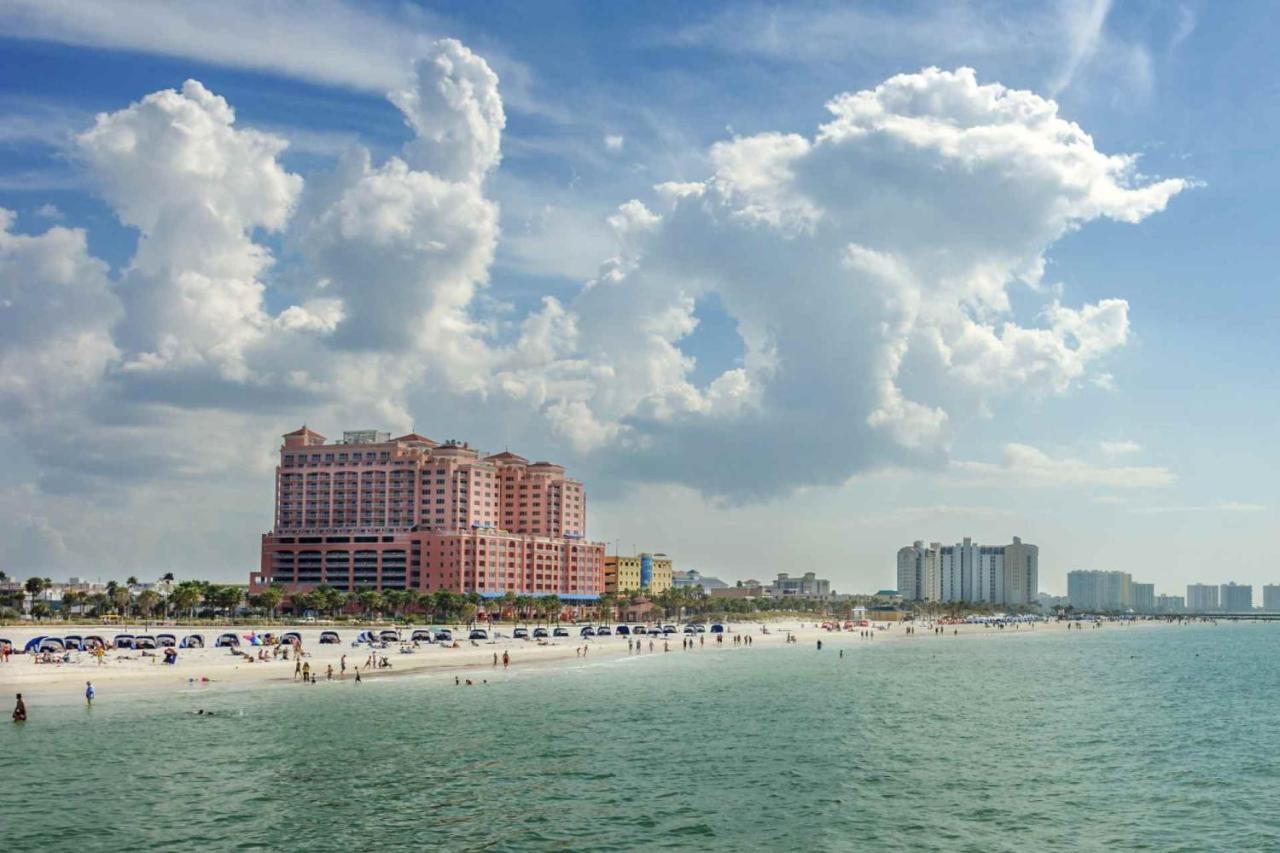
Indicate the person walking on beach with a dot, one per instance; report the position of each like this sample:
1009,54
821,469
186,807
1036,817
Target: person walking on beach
297,669
342,667
306,672
89,693
328,676
20,711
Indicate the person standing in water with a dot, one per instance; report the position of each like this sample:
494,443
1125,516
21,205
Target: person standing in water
506,660
20,711
89,693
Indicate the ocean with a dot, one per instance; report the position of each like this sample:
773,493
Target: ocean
1114,739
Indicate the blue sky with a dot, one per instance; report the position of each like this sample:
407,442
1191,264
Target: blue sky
1140,450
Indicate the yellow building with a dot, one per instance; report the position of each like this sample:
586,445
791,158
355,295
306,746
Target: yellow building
627,574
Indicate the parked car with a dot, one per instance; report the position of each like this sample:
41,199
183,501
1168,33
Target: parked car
478,634
541,633
560,632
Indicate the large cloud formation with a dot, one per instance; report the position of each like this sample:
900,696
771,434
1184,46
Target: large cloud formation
867,268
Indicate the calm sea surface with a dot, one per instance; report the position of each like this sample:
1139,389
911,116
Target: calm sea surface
1117,739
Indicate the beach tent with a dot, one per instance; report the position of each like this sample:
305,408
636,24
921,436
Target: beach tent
122,641
421,636
45,644
32,645
226,640
193,641
73,641
290,637
364,637
144,641
329,638
92,641
166,640
389,636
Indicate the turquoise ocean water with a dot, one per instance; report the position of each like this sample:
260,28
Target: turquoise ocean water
1115,739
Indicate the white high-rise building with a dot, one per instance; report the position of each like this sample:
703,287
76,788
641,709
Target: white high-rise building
1236,598
966,571
1202,598
1271,597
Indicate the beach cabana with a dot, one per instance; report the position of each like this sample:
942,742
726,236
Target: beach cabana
363,637
717,628
587,631
33,645
623,631
421,636
193,641
389,636
329,638
73,641
166,640
122,641
444,635
144,641
478,634
92,641
539,633
560,632
44,644
226,640
290,637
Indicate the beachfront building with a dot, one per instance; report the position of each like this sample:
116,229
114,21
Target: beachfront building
967,571
1099,591
1235,598
376,512
649,573
1202,598
691,578
1170,604
1143,597
809,585
1271,597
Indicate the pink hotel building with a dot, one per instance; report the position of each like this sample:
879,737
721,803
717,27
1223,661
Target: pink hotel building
375,512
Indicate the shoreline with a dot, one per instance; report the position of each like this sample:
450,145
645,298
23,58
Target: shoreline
126,672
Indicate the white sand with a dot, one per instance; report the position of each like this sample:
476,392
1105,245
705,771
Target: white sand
129,670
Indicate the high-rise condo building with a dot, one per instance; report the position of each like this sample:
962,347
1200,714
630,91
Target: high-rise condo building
1235,598
1271,597
1170,604
1202,598
377,512
998,574
1100,591
1143,596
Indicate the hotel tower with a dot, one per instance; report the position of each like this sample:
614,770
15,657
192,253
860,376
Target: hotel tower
376,512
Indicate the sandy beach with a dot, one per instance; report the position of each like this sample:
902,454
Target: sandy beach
133,670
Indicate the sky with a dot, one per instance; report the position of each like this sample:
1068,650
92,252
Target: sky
788,286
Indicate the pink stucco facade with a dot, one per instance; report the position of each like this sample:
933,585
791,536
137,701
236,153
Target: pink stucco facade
375,512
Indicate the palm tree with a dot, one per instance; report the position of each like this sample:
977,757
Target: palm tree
131,581
148,600
70,599
411,598
188,596
270,598
122,598
370,600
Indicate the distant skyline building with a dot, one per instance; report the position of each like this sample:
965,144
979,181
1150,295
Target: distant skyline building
1100,591
966,571
1271,597
1202,598
1143,597
1235,598
1170,604
376,512
692,577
